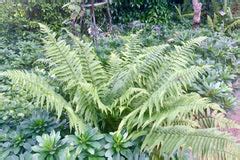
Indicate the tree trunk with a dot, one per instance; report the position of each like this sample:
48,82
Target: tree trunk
94,26
197,7
109,17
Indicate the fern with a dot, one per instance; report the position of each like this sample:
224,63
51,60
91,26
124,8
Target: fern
217,121
66,63
210,22
44,94
235,24
165,78
92,69
145,91
204,143
77,69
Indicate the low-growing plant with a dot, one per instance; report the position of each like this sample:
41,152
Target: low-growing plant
87,145
118,146
14,145
49,147
38,123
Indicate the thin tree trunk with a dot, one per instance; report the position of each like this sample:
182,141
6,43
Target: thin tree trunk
94,26
197,7
82,15
109,17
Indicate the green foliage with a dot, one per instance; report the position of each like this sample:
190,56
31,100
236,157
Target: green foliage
20,133
50,13
11,112
153,12
144,90
87,145
13,144
93,145
49,147
181,16
13,21
20,44
40,122
233,25
21,55
90,145
147,88
118,147
219,52
184,138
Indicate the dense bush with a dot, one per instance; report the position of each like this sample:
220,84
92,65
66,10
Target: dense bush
154,12
49,13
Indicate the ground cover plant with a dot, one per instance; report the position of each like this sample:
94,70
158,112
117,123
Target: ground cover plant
146,90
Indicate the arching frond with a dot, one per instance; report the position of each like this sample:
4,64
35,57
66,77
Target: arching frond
67,66
178,108
217,121
124,78
77,68
174,110
92,69
44,94
129,97
203,143
115,64
233,25
210,23
132,48
162,67
172,86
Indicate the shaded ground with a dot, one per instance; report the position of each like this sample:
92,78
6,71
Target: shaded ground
235,113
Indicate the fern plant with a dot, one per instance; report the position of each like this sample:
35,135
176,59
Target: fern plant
233,25
143,88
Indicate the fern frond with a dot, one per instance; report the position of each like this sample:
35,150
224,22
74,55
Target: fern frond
210,23
120,83
67,66
165,77
44,94
92,69
172,86
124,78
133,45
114,64
215,19
217,121
233,25
174,110
178,109
188,15
178,9
131,95
203,143
73,66
152,71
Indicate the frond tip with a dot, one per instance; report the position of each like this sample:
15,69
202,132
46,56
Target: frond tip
235,24
203,143
44,94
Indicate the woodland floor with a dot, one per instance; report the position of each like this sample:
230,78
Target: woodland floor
235,113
